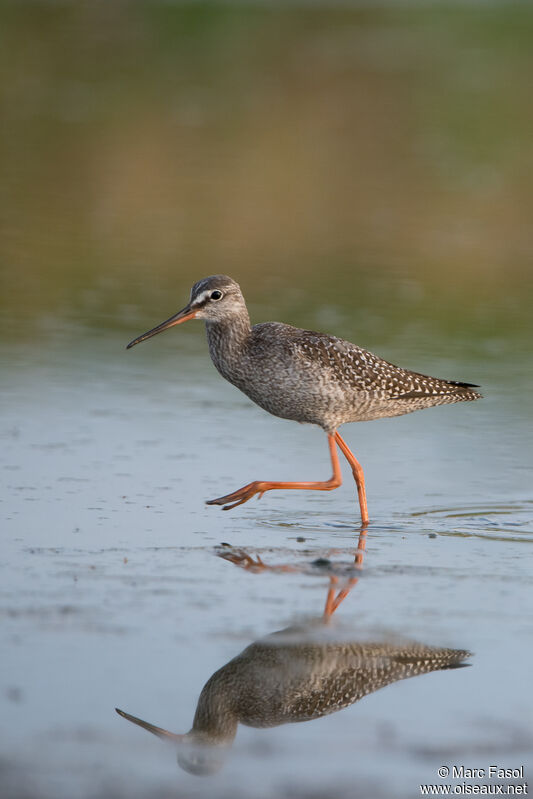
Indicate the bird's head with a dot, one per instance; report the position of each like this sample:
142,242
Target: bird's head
196,752
214,299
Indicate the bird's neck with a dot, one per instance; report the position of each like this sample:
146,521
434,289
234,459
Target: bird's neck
215,721
227,341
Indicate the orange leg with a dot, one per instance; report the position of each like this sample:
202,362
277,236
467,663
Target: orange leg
357,470
259,487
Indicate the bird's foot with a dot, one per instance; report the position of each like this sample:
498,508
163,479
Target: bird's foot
241,495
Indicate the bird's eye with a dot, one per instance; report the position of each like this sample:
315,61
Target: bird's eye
216,295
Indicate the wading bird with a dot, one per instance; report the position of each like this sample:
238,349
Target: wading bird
305,376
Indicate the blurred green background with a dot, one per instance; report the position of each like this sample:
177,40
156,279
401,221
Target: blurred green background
363,170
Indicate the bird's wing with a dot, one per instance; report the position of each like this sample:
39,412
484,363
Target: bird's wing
364,371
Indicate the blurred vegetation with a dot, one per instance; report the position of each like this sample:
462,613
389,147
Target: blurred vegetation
370,164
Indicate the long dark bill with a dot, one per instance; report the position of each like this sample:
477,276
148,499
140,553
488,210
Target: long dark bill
182,316
159,731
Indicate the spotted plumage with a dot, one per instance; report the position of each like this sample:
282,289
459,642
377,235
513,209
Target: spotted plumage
289,677
317,378
305,376
295,675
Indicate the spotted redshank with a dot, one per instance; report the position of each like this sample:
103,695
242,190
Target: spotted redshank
297,674
305,376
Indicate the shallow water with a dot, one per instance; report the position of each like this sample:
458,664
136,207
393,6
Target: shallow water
136,167
113,594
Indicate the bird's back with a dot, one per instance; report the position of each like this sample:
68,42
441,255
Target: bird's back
319,378
272,683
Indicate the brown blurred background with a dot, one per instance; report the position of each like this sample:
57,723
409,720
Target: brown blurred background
358,169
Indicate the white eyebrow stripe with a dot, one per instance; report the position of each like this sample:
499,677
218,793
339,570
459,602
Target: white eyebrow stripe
200,298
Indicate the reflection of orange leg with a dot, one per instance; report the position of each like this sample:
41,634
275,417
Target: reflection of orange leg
343,593
361,548
357,470
241,558
259,487
332,601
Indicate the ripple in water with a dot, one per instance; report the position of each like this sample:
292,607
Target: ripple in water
511,521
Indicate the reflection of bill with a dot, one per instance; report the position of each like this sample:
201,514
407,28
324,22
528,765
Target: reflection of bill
297,674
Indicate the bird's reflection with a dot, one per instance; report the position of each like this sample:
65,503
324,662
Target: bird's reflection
347,574
296,674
